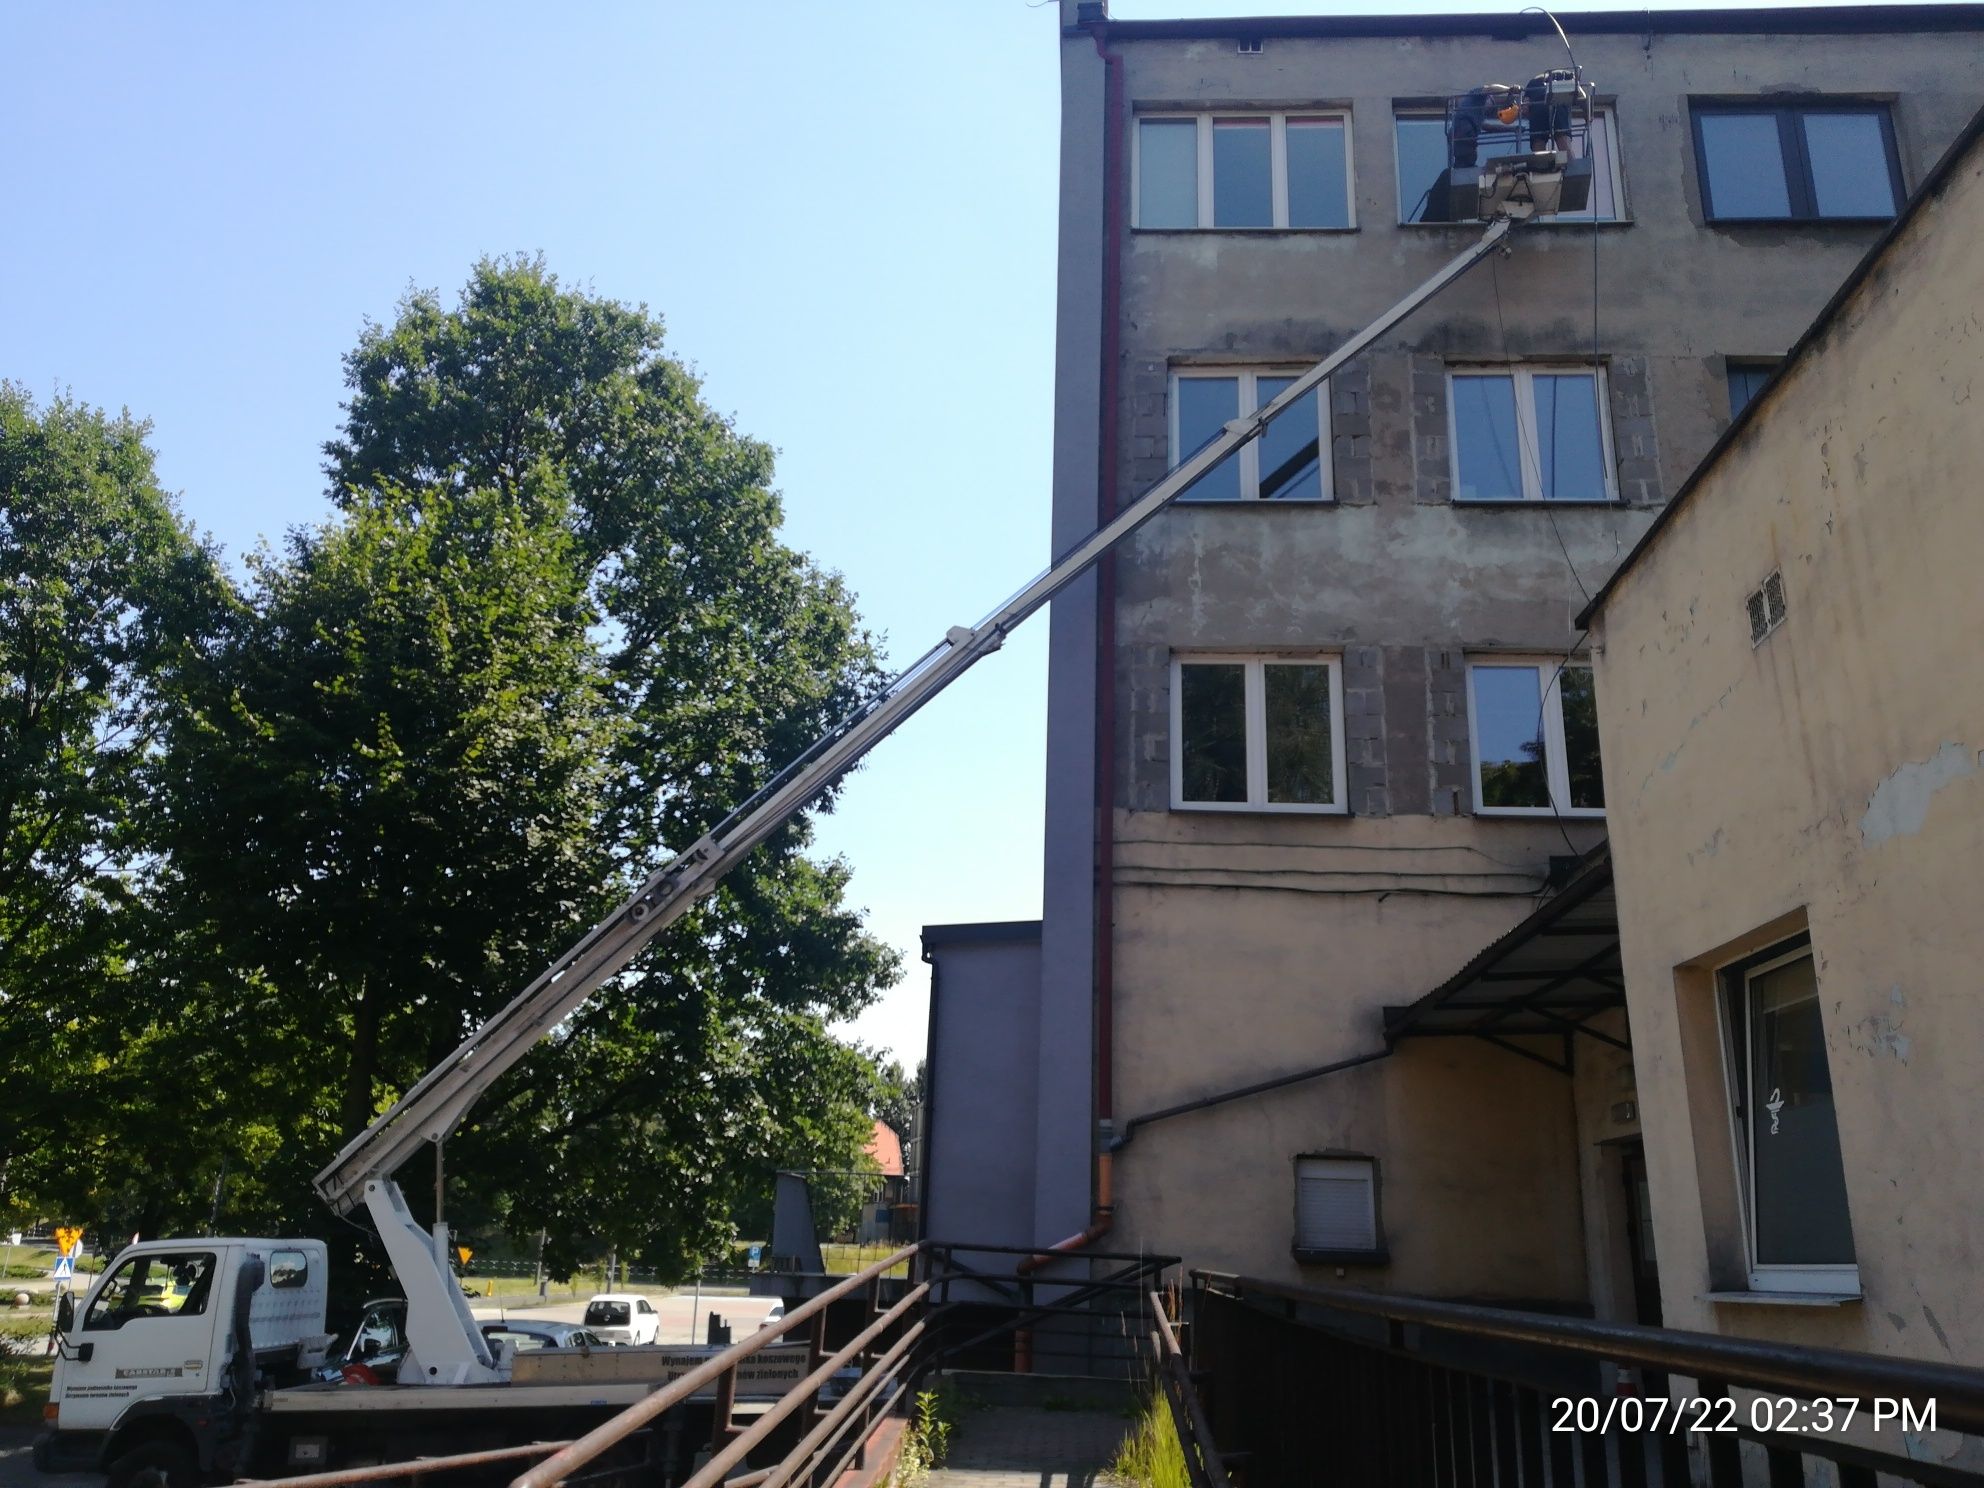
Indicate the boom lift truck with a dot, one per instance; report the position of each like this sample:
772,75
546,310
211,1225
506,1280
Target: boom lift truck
190,1359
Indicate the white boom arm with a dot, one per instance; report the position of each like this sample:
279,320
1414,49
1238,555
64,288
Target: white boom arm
362,1172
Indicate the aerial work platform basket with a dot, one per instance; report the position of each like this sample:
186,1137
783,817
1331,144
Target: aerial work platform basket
1516,151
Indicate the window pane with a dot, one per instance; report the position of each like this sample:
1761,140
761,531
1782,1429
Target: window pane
1205,404
1422,163
1570,455
1849,165
1213,705
1242,191
1318,188
1508,736
1580,706
1291,446
1604,203
1485,439
1168,173
1799,1181
1745,382
1745,164
1300,758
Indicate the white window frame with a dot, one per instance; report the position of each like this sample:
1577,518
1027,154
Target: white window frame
1528,442
1326,1165
1833,1280
1250,453
1609,162
1277,165
1256,725
1556,755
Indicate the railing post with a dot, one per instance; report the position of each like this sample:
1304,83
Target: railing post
1725,1461
726,1406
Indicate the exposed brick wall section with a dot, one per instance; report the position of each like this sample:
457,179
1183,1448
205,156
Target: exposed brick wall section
1446,713
1350,433
1148,385
1634,445
1432,471
1408,745
1143,704
1364,731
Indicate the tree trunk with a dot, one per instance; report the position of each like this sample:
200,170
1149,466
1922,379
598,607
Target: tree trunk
357,1114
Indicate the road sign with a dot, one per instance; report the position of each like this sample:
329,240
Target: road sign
467,1253
64,1269
757,1254
69,1239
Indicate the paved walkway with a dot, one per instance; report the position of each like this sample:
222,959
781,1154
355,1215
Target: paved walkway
1006,1446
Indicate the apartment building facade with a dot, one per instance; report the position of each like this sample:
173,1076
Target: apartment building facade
1325,730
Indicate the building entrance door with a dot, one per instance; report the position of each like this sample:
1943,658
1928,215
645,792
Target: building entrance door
1639,1237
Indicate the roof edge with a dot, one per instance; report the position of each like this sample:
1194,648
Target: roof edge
1939,177
983,932
1804,19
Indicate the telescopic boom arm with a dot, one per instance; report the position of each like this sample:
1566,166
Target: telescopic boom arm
433,1107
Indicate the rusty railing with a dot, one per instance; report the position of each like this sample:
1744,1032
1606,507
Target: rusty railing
1203,1464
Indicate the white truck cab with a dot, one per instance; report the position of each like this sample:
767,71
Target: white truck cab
154,1361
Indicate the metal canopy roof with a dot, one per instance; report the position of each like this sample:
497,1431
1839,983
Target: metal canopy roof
1548,977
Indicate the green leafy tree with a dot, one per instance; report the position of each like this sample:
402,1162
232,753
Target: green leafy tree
104,594
898,1097
552,637
383,792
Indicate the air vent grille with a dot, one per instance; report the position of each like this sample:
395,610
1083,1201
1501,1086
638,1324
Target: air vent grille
1766,607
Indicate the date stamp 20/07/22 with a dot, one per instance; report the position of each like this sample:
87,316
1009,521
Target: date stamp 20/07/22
1762,1413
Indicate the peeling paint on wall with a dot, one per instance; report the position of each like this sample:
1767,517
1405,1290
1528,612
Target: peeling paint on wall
1880,1033
1900,803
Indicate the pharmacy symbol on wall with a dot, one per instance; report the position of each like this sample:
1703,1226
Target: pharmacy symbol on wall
1774,1105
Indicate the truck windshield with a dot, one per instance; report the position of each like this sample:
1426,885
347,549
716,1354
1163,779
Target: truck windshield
606,1314
153,1286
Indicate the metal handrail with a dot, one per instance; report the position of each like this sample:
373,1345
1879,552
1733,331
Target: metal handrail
1203,1464
739,1447
349,1476
609,1433
1957,1391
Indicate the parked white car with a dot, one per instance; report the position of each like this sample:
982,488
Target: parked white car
623,1317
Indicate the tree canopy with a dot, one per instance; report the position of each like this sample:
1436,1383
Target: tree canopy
550,635
104,594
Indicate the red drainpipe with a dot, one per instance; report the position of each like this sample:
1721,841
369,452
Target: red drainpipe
1105,659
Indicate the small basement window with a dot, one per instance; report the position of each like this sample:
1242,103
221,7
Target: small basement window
1336,1209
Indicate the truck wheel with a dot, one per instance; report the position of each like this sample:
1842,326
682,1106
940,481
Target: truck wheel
155,1464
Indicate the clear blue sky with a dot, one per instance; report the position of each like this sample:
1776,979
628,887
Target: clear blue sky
845,213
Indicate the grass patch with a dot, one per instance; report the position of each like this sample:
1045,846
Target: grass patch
1151,1455
926,1442
24,1389
845,1260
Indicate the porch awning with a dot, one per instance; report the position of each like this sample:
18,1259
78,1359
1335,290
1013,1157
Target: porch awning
1547,978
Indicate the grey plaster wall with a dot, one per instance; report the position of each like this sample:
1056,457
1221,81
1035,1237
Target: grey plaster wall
984,1077
1066,1048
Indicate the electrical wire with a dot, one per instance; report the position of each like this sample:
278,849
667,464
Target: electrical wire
1598,410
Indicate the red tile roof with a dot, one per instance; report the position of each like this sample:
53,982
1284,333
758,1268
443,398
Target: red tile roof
886,1148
